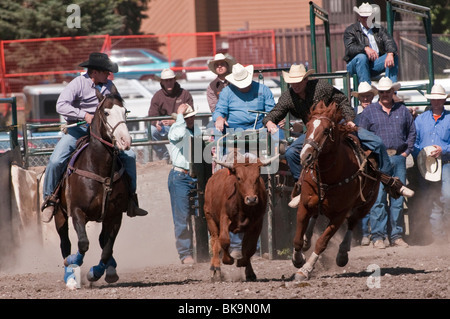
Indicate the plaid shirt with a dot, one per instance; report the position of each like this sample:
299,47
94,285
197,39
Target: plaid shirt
396,129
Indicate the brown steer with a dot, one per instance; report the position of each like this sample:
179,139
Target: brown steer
235,200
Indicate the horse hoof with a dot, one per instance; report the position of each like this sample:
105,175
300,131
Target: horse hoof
251,277
301,275
91,277
298,259
111,275
216,274
341,259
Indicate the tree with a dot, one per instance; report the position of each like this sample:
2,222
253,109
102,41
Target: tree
49,18
440,14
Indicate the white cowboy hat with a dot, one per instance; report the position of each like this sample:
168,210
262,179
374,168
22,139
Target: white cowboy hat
437,93
188,113
167,74
365,87
364,10
241,76
386,84
296,73
430,167
221,57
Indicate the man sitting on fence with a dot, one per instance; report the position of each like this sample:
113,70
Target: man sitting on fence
369,49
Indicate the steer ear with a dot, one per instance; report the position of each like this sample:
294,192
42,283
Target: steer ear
230,189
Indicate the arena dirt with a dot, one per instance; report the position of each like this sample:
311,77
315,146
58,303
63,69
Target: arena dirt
149,268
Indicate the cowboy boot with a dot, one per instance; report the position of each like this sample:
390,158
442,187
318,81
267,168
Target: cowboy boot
295,196
133,207
394,187
48,208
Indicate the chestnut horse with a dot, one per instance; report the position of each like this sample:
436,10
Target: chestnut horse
95,188
335,181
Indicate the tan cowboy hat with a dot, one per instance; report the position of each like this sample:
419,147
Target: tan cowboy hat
221,57
241,76
364,10
437,93
100,61
430,167
296,73
188,113
386,84
365,87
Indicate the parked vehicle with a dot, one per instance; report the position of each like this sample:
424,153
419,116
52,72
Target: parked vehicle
141,64
196,69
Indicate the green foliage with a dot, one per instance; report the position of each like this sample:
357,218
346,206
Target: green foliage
440,14
48,18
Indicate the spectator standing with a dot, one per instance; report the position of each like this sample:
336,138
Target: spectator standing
432,151
394,124
181,184
166,102
221,65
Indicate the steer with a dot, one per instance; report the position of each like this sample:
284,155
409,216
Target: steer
235,200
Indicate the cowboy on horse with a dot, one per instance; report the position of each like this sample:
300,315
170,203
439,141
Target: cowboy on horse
299,100
78,102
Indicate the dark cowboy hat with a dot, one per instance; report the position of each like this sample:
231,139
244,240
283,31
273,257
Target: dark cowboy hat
100,61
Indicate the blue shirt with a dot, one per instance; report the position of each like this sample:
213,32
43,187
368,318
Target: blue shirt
78,98
431,132
234,105
396,129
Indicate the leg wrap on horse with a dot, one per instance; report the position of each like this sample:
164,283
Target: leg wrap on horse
76,259
96,272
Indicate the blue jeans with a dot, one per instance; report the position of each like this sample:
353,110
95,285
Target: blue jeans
161,150
180,187
374,143
365,69
293,157
440,204
381,210
59,159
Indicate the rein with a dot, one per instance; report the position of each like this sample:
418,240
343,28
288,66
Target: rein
322,188
107,182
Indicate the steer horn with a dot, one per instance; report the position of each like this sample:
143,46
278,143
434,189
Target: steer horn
269,160
224,164
263,162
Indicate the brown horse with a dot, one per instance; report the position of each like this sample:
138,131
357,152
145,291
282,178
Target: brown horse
95,188
335,181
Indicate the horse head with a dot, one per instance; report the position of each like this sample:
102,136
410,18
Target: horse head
321,132
110,121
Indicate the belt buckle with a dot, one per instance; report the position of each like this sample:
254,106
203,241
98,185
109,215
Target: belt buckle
391,152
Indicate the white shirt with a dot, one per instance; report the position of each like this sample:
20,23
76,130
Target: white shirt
369,34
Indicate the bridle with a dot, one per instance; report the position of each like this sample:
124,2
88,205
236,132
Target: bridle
318,146
106,124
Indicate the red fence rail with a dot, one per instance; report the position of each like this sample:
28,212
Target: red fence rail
54,60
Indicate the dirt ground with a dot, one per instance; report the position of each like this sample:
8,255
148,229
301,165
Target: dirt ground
149,267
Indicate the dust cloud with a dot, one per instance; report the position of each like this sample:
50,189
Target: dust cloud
142,241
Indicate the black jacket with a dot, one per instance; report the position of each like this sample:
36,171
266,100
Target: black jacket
355,41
